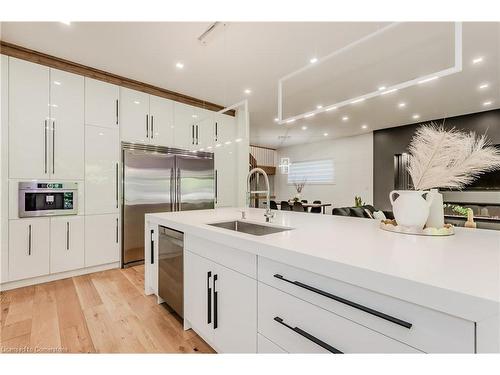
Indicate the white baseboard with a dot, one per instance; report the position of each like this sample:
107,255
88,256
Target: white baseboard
57,276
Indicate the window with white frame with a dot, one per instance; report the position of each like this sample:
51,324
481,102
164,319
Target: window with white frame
311,172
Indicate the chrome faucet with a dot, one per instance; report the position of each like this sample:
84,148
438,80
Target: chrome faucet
268,214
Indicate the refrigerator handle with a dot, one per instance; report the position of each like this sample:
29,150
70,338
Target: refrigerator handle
216,185
178,180
172,189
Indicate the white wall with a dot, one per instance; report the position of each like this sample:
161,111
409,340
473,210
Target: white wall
353,169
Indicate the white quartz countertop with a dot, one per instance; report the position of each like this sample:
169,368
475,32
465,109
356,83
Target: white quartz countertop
458,274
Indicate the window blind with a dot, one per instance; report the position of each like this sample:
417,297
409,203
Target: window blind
312,172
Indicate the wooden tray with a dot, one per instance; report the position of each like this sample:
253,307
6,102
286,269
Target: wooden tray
434,232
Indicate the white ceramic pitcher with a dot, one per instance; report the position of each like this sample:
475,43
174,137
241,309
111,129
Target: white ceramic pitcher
410,208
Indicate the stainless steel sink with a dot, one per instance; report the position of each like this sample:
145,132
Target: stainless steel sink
249,228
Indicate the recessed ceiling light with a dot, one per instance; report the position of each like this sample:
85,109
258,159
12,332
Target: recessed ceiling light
325,134
276,119
484,86
487,103
309,115
381,88
364,126
389,91
57,83
248,91
137,102
194,116
67,23
416,116
179,65
331,108
313,60
402,105
358,100
345,118
238,140
477,60
290,121
428,80
319,106
304,128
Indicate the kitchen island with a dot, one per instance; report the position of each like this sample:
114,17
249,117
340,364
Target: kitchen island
332,284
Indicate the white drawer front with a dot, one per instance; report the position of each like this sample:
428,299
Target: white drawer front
300,327
266,346
431,331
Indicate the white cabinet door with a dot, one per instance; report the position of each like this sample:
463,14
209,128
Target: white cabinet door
28,248
161,124
28,120
235,310
134,116
67,127
225,129
101,103
198,283
225,172
205,130
67,236
102,239
102,150
185,117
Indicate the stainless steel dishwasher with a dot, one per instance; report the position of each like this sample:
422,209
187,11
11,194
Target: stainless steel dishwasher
170,268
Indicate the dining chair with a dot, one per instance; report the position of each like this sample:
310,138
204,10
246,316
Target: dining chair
316,210
304,200
273,205
285,206
297,206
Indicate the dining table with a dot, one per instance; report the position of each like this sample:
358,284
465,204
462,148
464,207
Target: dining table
309,205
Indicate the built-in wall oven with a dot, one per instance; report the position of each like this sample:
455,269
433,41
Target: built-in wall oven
47,198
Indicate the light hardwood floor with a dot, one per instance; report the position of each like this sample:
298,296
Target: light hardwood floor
104,312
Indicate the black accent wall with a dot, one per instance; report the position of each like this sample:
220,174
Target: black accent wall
387,142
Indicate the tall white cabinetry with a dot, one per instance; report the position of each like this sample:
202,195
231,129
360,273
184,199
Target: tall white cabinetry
101,104
45,122
225,162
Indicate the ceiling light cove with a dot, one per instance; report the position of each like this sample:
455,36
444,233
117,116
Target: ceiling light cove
313,60
309,115
389,91
290,121
487,103
331,109
425,80
478,60
358,100
345,118
381,88
179,65
402,105
484,86
415,116
247,91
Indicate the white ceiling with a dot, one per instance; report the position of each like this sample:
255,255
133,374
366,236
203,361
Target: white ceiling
242,55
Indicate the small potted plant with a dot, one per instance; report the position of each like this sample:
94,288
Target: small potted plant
298,188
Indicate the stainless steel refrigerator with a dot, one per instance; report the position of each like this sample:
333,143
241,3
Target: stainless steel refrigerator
160,179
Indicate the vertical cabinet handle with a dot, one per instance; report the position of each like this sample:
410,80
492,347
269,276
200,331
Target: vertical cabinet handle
67,235
192,134
209,298
53,146
147,126
116,111
29,239
216,132
216,187
308,336
197,138
152,127
45,147
116,184
152,247
216,322
116,230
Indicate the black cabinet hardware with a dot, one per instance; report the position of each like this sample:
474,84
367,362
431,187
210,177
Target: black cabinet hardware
67,235
152,242
117,230
216,132
355,305
152,127
116,111
192,134
147,126
216,322
209,298
197,138
29,239
308,336
116,185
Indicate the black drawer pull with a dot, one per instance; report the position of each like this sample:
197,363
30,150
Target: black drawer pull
308,336
379,314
